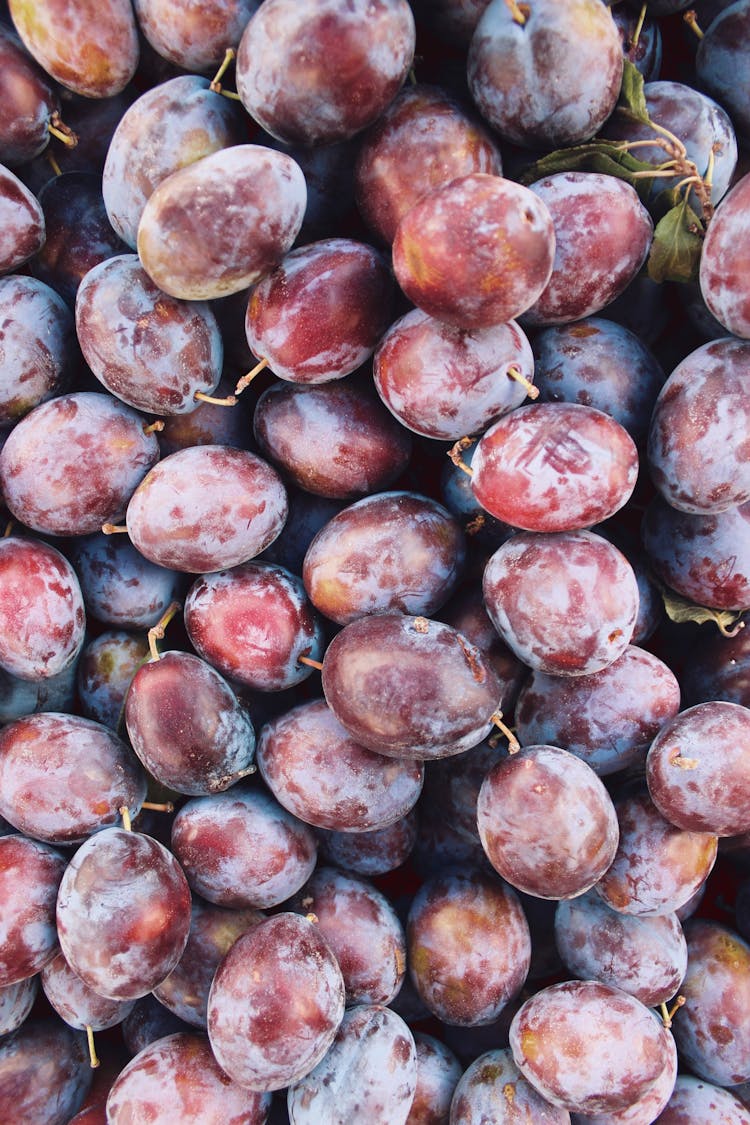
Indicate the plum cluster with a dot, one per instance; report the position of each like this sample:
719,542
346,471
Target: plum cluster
374,562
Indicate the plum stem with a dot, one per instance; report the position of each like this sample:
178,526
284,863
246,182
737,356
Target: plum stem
230,400
638,28
53,163
114,528
124,812
455,455
9,529
154,427
57,128
246,380
215,84
519,12
667,1014
691,20
93,1057
513,744
515,372
156,632
316,664
156,806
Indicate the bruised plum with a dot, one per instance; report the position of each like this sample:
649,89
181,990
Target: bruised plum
706,558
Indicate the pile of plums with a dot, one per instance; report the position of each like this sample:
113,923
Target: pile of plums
374,562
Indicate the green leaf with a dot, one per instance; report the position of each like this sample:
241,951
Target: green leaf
632,101
676,247
681,610
607,157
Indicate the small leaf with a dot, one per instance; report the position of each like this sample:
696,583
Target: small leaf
632,101
676,247
681,610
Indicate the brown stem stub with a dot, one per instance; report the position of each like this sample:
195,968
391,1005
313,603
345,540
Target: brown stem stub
156,806
200,396
57,128
676,759
215,83
246,380
519,12
156,633
667,1014
114,529
420,625
154,427
124,812
513,744
308,660
455,455
471,655
515,372
691,19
